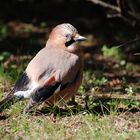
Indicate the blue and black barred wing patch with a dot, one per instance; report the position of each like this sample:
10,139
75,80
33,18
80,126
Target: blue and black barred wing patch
45,92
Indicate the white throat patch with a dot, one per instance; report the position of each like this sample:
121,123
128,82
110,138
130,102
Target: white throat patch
72,47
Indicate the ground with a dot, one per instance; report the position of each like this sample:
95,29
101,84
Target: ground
108,100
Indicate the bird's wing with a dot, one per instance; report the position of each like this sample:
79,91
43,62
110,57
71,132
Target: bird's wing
53,82
51,87
59,70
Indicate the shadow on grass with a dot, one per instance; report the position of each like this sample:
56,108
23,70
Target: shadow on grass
3,117
103,108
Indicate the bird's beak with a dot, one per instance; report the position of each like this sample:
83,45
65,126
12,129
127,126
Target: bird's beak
79,38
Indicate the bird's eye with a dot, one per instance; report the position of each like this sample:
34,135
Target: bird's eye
67,35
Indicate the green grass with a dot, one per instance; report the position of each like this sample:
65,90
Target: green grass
69,123
78,127
92,121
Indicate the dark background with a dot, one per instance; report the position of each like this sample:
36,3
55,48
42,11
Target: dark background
89,18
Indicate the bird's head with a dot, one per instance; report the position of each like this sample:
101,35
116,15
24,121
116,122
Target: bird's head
65,36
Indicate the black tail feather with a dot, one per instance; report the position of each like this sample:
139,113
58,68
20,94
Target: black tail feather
8,101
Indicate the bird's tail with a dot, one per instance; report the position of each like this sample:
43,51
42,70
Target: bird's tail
9,100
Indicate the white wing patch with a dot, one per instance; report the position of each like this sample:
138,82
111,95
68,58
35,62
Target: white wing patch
33,85
57,90
27,94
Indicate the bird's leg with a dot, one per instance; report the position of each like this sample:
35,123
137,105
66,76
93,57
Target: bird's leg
30,105
73,98
72,101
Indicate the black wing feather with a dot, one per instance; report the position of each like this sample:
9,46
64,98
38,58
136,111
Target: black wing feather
22,82
44,93
41,94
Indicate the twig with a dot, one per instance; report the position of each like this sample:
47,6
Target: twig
129,42
136,54
106,5
114,96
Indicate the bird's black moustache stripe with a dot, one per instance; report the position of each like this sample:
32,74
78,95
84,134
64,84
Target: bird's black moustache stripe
69,42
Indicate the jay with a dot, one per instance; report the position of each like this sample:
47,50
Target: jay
55,72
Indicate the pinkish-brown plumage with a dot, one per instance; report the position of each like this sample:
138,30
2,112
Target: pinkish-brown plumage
55,73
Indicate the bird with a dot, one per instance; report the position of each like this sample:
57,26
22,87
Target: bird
54,74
